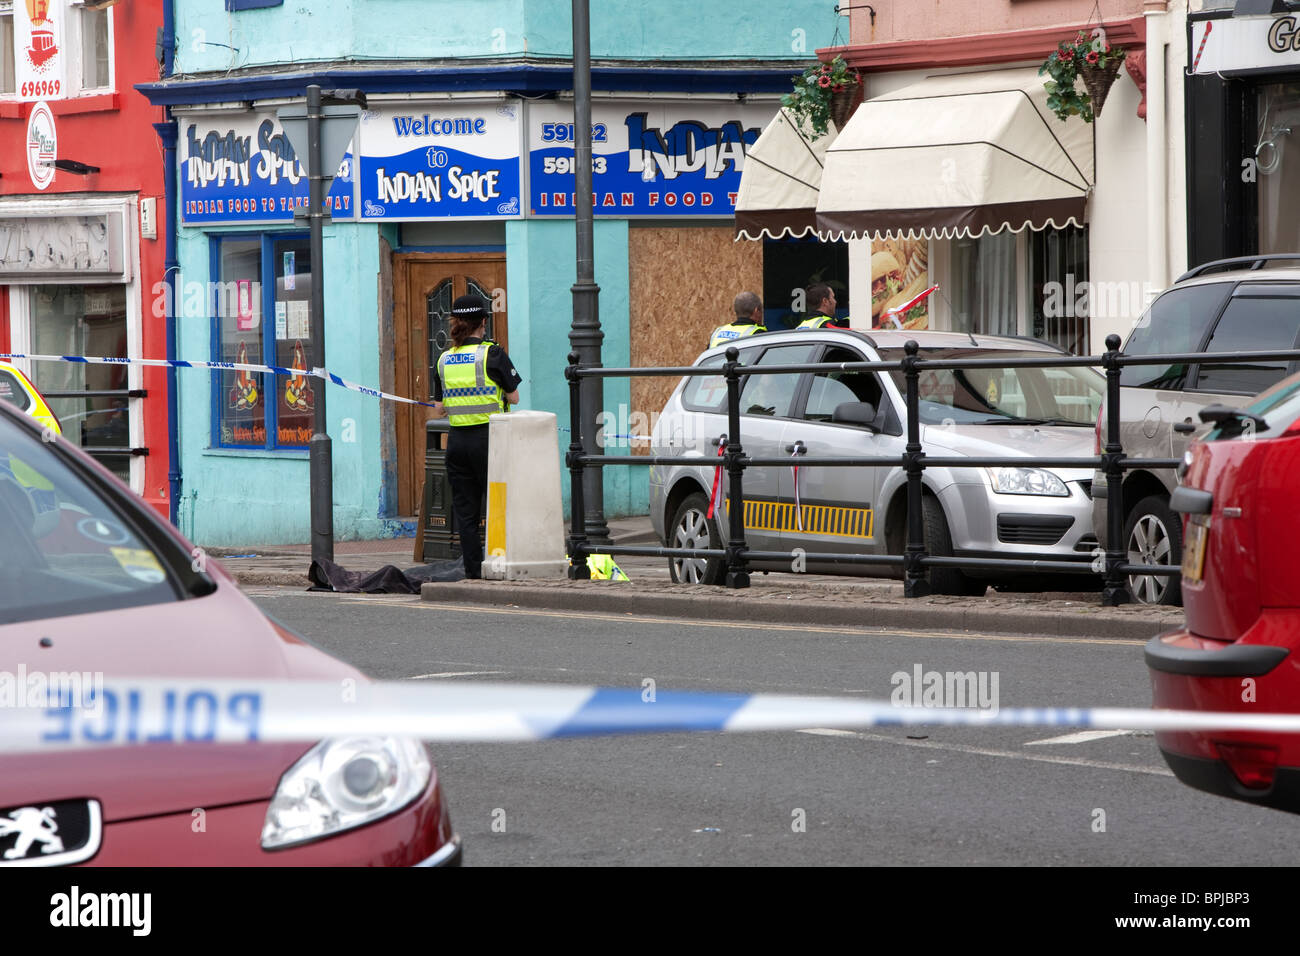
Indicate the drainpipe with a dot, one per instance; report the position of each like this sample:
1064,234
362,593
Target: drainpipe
167,133
1157,146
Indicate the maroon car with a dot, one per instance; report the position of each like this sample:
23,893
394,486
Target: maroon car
93,583
1240,649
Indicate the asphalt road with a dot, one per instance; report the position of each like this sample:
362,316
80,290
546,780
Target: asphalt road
959,796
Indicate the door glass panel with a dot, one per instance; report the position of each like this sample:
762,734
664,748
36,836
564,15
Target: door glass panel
438,311
85,320
476,288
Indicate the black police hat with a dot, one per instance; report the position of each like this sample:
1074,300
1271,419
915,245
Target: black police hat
469,307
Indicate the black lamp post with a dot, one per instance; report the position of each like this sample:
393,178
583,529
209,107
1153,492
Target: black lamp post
585,335
306,128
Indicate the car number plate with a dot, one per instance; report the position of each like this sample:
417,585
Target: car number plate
1198,531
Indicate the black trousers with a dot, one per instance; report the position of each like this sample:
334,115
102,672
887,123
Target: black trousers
467,470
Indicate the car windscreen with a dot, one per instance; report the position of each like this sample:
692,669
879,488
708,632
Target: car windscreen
1056,396
12,391
66,548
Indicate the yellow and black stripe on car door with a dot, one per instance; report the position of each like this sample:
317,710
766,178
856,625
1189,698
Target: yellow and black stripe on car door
839,523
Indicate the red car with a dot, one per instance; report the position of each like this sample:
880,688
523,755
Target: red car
94,585
1240,650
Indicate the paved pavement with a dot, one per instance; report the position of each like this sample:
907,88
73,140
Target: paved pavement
773,598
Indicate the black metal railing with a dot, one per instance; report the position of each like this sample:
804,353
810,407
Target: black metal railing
914,560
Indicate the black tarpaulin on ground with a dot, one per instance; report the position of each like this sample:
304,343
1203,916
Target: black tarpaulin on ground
328,576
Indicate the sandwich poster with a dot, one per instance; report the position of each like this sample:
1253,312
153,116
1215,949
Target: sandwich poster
40,54
900,271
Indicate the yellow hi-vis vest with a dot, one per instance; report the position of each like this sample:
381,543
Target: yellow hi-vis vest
468,394
817,321
737,330
603,568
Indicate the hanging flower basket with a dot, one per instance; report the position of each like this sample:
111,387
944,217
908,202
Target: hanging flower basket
1098,80
843,102
1089,58
820,92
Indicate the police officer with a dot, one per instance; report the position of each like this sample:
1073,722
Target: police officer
821,307
749,320
476,380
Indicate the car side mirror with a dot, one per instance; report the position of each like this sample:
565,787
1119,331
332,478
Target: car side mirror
862,414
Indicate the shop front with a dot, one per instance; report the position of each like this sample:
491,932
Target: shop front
437,197
956,173
1243,106
80,256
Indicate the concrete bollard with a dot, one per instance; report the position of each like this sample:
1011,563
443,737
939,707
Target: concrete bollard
525,523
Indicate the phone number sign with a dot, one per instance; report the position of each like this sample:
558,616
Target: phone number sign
648,158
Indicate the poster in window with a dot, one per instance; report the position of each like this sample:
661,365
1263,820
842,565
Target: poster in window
247,319
900,271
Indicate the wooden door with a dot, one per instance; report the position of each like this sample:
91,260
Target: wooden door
425,285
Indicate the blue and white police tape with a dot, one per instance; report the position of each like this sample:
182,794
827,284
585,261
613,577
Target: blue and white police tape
216,366
125,712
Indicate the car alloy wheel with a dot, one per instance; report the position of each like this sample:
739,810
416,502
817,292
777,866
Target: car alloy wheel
1154,538
691,528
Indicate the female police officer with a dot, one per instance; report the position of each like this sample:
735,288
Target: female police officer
476,379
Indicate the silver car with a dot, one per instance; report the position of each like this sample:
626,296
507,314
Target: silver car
1231,305
1022,512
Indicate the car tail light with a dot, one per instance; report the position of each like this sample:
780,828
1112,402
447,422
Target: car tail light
1254,765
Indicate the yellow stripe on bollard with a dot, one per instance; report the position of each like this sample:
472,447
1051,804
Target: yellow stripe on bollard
496,520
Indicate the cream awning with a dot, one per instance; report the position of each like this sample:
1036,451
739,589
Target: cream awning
953,155
778,189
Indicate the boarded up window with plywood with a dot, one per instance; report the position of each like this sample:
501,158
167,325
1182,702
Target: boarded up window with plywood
682,282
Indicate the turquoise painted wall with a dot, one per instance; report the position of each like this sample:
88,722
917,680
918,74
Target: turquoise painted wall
540,273
209,39
238,497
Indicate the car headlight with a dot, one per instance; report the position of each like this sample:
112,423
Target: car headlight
1026,481
344,783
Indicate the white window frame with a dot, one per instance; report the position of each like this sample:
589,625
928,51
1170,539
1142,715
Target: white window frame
7,9
75,42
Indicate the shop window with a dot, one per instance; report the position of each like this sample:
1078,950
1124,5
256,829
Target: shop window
259,322
7,49
90,401
984,284
1058,263
789,267
1277,167
96,49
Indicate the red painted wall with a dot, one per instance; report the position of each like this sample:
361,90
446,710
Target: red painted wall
115,133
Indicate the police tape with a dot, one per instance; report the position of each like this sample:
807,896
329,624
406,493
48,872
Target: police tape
125,712
220,367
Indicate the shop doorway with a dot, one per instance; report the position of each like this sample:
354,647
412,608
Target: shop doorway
425,285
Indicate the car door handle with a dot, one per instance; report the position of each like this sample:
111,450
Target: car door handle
798,448
1185,427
